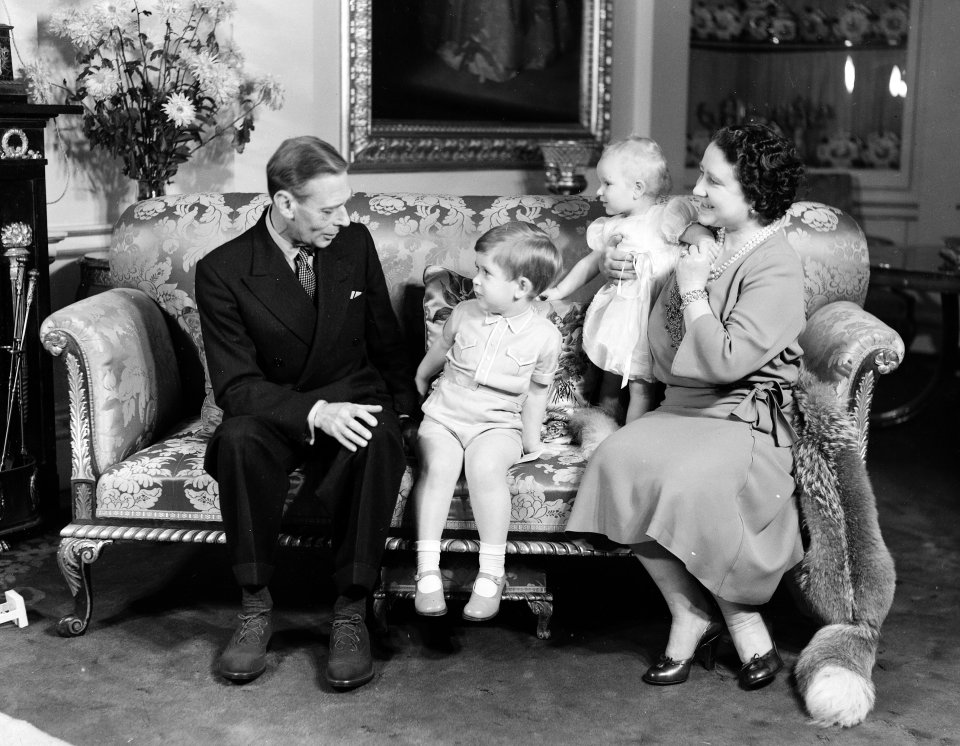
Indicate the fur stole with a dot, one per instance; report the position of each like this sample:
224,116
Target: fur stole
589,427
847,575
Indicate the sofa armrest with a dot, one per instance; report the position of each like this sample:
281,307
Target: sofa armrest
121,373
849,348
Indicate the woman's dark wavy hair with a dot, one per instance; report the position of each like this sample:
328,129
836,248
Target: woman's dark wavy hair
767,166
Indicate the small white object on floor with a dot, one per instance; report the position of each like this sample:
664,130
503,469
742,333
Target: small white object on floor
22,733
14,610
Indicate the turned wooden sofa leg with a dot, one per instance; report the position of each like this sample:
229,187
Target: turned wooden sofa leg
74,558
543,608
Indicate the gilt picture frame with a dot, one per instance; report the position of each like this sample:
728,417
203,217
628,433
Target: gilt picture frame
445,102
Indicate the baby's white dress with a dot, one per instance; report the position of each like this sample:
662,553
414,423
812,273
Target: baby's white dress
615,325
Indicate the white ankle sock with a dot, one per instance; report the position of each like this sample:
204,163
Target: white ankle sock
492,558
428,558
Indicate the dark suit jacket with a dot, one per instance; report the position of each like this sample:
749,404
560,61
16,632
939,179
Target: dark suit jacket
270,353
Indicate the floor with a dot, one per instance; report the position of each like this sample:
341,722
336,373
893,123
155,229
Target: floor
144,672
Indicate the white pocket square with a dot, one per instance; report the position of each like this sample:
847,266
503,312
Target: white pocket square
355,294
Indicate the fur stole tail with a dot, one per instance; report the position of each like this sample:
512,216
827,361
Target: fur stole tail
834,674
847,575
589,426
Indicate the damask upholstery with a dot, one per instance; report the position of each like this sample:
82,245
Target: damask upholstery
136,372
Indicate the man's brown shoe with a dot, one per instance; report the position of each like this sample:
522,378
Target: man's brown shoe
350,663
245,656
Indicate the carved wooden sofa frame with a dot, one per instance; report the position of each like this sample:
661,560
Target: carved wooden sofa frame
141,411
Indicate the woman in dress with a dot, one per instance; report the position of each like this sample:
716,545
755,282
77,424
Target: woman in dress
702,488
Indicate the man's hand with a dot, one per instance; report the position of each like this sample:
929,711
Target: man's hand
346,422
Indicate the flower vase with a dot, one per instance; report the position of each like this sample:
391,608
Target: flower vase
148,189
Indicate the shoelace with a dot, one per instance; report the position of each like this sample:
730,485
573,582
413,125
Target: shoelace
346,634
252,625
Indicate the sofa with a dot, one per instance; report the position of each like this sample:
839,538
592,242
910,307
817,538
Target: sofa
142,411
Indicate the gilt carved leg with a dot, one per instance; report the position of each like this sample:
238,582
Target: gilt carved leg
74,558
543,608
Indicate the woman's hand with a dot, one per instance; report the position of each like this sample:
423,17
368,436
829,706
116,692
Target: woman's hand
693,265
618,265
551,294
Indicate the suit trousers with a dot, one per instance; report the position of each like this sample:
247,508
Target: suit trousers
251,460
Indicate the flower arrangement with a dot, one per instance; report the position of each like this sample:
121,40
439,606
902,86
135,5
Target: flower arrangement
154,83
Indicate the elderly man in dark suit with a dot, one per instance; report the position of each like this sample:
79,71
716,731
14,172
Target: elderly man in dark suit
305,357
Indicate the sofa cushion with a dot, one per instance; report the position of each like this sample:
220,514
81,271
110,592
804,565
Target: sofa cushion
166,481
541,495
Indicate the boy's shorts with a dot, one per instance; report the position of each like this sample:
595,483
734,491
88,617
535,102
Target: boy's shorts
466,412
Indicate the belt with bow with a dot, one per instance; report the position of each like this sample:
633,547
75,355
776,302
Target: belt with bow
762,408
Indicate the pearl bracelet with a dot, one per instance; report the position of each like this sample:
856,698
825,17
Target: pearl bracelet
692,297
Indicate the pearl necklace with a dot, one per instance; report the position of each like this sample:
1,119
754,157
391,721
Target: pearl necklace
755,240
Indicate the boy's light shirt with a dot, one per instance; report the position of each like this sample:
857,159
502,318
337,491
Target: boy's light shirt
513,343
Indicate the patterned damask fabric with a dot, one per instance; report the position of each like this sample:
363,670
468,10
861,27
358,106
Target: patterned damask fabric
131,366
157,243
541,494
836,263
840,335
166,481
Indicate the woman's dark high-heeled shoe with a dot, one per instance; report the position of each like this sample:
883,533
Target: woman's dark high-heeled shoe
667,671
760,670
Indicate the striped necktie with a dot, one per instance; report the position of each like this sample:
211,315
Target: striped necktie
304,264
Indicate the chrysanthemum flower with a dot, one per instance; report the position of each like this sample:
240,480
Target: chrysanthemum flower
220,9
273,92
102,84
203,65
114,15
172,10
80,25
180,110
39,88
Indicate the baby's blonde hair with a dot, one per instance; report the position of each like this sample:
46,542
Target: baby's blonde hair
642,162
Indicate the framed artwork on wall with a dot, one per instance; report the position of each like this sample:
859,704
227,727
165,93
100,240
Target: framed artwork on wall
472,84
